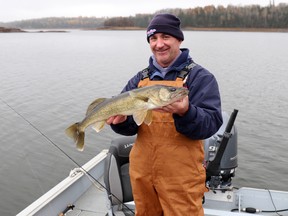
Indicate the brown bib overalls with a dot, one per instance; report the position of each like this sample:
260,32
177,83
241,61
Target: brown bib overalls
166,170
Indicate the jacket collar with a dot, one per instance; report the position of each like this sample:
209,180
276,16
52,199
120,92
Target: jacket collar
182,60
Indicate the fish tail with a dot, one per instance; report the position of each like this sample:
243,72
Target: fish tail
73,131
80,141
78,136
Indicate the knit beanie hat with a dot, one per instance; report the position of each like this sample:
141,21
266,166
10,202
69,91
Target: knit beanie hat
165,23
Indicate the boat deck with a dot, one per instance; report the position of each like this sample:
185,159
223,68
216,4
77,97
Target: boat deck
94,203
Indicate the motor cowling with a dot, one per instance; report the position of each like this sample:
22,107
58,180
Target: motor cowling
229,161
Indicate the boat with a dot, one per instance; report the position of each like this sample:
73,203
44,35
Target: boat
102,185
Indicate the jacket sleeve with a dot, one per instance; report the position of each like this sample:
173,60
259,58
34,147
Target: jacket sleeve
204,117
129,127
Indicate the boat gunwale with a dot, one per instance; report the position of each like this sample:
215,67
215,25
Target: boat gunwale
59,189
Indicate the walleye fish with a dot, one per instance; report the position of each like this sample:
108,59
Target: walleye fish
138,103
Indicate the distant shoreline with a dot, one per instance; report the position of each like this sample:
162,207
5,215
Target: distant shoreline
201,29
10,30
239,29
16,30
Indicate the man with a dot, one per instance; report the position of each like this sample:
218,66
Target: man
166,170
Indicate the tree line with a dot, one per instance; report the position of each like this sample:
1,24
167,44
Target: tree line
253,16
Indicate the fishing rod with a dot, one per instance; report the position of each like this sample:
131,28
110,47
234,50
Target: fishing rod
69,157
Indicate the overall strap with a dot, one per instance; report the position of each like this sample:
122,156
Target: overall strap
185,71
145,77
145,73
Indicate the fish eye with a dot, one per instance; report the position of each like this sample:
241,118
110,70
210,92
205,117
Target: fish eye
173,89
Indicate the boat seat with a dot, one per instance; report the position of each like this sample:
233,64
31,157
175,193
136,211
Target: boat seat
116,176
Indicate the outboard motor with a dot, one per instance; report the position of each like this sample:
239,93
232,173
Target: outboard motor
221,154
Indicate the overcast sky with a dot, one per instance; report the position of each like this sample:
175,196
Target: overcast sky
12,10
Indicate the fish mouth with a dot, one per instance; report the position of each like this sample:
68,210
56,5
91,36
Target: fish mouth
183,91
179,94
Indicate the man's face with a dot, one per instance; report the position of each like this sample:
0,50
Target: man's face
165,48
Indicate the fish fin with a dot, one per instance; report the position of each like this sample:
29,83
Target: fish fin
139,117
98,126
74,133
148,118
134,95
94,104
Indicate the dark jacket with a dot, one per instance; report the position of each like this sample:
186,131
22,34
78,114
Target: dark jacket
203,118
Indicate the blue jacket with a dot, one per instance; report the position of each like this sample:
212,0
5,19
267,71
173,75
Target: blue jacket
203,118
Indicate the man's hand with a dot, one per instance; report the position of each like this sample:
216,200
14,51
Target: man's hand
116,119
179,107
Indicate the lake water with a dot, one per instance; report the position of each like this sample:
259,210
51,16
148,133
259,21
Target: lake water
50,78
